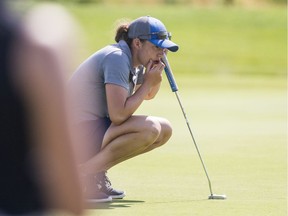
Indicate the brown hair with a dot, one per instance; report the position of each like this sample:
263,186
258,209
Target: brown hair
122,32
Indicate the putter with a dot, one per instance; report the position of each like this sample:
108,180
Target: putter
174,88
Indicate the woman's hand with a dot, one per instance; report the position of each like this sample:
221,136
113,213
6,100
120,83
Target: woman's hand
153,73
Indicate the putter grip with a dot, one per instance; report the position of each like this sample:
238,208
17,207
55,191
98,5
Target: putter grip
169,74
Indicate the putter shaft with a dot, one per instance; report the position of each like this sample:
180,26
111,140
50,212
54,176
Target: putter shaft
174,88
192,136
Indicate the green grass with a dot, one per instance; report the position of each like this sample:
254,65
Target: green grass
231,73
218,40
240,128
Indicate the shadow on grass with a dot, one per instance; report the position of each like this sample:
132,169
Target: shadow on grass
128,203
114,204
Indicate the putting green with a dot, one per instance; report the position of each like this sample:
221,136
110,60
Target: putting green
239,120
240,127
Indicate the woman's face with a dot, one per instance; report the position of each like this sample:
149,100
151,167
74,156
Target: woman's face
149,52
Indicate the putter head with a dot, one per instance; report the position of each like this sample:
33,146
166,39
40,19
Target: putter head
217,197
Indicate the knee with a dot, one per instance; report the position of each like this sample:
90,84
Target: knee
166,128
158,130
166,132
152,130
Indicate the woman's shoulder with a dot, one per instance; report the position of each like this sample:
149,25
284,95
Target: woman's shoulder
116,53
112,53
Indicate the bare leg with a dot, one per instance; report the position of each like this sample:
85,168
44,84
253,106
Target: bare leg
139,134
165,134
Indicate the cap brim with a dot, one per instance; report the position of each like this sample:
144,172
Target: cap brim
165,44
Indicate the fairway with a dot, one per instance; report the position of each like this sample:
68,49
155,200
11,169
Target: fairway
231,74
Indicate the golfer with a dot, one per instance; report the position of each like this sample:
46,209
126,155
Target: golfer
106,90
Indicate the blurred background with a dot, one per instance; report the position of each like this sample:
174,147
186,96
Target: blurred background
225,45
216,37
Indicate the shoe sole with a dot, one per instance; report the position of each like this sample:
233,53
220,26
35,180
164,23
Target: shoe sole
106,200
121,196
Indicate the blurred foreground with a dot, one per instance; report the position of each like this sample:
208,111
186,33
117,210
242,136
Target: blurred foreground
38,171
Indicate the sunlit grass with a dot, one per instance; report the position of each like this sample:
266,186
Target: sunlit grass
231,74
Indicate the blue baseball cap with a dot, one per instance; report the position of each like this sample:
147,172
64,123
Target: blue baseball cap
153,30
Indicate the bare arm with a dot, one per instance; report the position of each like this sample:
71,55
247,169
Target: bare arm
152,93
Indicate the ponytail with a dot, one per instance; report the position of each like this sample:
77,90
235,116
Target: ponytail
122,33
